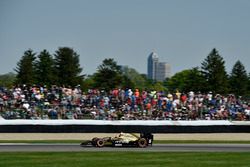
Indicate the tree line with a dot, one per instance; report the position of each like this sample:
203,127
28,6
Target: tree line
212,76
43,68
63,69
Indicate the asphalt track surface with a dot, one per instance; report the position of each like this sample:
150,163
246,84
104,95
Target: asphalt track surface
23,147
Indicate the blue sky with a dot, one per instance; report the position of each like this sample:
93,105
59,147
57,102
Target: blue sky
182,32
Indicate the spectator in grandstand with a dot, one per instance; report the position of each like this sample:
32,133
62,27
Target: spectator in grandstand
40,102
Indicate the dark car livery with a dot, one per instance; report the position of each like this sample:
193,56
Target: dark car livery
123,139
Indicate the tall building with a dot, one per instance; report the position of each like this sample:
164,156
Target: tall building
152,64
157,71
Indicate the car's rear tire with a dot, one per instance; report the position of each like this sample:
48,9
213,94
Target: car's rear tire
100,143
142,143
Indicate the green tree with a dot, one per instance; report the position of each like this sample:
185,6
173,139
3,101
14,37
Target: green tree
45,72
177,82
136,79
196,81
26,68
88,83
67,67
238,79
150,84
127,82
108,75
213,69
7,80
187,80
158,86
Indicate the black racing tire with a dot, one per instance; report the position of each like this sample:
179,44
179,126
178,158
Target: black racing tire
142,143
100,143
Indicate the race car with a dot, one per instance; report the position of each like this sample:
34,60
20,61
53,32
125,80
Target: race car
123,139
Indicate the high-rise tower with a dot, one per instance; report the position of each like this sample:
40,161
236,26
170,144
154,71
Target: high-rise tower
152,65
158,71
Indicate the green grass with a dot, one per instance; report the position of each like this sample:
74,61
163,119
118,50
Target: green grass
124,159
155,142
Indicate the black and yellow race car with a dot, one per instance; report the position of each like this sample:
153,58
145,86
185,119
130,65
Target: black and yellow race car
123,139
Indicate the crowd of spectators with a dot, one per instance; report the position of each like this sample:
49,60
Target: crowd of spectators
40,102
